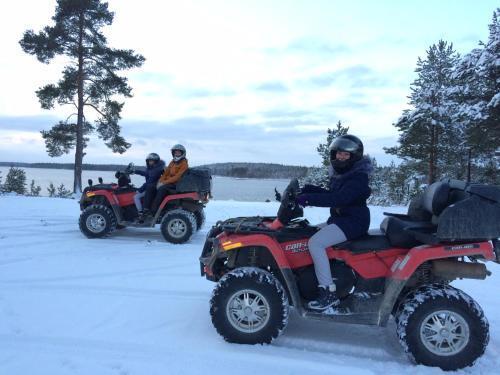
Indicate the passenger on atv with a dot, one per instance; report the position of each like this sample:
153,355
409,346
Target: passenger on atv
170,176
350,216
152,173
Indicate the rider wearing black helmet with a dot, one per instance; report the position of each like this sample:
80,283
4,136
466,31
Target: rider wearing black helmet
154,169
349,214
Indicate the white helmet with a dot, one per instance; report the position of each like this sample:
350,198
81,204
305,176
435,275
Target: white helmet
180,148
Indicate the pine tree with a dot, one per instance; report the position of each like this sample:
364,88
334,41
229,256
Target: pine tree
477,97
320,176
15,181
51,190
89,81
323,148
1,186
34,189
428,135
62,192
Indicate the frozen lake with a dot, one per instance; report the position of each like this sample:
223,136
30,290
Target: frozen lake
224,188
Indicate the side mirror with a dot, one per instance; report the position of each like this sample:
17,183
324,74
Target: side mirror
100,180
90,182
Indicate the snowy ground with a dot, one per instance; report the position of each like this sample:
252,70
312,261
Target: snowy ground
134,304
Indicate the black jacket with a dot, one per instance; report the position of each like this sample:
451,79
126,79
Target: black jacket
152,174
346,197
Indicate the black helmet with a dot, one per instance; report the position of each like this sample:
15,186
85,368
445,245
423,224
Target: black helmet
347,143
180,148
153,156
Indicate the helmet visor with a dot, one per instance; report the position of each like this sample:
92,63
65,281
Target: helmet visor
344,144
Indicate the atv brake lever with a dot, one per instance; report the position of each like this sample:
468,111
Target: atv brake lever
277,195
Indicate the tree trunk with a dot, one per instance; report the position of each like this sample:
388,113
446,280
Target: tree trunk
77,182
432,156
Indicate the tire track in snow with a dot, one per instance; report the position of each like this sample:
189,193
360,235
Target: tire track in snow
92,276
113,291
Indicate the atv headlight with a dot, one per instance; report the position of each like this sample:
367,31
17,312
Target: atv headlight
229,245
90,194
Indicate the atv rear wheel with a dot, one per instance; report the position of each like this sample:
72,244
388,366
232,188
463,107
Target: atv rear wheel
97,221
441,326
249,306
177,226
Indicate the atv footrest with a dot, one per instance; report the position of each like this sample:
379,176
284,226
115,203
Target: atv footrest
343,315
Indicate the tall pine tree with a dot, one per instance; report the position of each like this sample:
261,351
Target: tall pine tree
477,97
428,135
89,81
320,176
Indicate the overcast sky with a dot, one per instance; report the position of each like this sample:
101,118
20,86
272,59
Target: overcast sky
254,81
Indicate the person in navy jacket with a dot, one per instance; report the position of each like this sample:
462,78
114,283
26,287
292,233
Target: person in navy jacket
349,215
152,173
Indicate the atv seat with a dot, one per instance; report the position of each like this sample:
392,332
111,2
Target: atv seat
366,244
417,226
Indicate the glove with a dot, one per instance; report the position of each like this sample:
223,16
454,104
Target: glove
302,200
130,168
307,188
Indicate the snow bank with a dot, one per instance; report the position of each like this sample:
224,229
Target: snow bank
134,304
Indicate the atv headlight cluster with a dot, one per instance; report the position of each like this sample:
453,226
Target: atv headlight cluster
229,245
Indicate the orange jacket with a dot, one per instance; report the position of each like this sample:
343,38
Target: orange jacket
173,172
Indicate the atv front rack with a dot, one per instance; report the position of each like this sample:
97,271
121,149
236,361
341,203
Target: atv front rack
249,224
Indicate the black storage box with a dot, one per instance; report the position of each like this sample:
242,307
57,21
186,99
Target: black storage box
195,179
475,217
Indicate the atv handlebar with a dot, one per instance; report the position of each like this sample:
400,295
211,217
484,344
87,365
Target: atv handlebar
288,209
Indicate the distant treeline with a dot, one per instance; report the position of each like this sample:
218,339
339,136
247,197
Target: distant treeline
256,170
88,167
239,170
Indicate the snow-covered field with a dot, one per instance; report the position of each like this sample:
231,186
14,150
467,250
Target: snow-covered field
134,304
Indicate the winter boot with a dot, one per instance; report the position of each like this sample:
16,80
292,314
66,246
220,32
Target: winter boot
327,298
140,217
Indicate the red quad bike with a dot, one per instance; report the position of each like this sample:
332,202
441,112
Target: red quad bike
106,207
262,266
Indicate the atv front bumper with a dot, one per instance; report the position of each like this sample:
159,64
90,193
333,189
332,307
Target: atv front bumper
212,257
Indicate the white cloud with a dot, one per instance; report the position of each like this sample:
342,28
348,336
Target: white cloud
276,67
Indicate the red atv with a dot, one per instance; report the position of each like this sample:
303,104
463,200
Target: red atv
106,207
262,266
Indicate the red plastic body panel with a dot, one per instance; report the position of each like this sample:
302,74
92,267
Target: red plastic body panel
168,198
126,199
112,199
395,263
404,267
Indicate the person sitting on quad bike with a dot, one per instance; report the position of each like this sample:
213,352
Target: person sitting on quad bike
172,173
154,169
350,216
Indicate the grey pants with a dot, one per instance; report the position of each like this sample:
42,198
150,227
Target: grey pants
327,236
137,200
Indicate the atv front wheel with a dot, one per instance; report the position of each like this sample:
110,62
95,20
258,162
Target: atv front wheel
249,306
200,218
97,221
177,226
441,326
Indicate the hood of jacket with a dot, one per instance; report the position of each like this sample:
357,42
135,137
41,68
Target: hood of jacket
361,166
